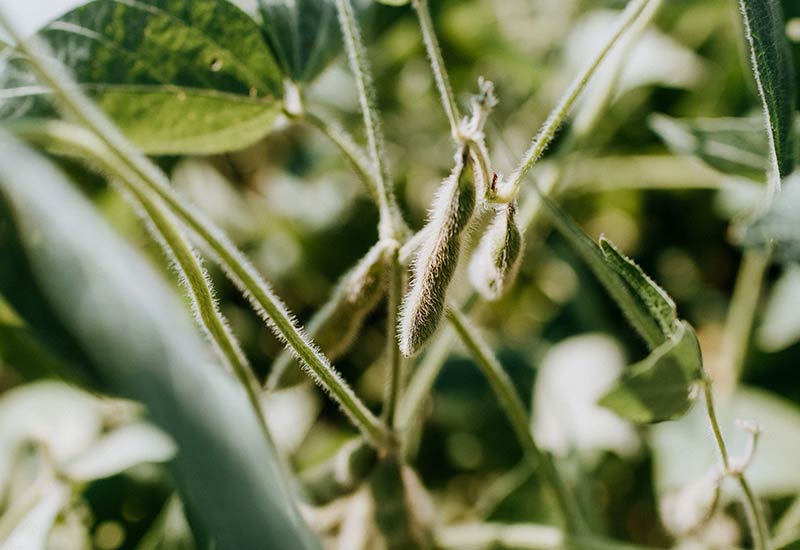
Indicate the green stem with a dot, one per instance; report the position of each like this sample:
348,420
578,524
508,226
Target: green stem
510,401
78,142
755,515
739,323
437,65
509,191
347,146
395,361
357,57
237,267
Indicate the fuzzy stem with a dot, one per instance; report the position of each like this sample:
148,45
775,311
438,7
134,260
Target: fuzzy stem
395,361
347,146
510,401
509,190
357,58
437,65
755,515
76,141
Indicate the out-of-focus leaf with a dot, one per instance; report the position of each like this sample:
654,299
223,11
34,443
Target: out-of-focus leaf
780,326
141,341
32,530
177,76
304,34
573,375
730,145
778,226
661,386
773,471
62,417
170,530
774,73
119,450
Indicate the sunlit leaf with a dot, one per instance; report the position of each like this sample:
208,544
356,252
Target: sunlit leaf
176,76
661,386
119,450
142,343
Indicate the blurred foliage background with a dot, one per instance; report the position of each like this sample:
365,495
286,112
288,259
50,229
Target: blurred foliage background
301,215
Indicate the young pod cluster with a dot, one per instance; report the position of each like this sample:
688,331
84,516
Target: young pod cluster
496,261
437,257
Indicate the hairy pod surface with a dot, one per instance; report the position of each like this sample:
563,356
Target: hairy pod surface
437,257
336,326
495,263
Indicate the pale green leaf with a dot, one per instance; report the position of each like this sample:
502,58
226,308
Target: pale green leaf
773,472
774,74
176,76
121,449
661,386
731,145
142,343
779,226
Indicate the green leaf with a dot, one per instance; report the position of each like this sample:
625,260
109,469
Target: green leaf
177,76
140,340
731,145
774,74
633,307
303,34
652,297
778,226
661,386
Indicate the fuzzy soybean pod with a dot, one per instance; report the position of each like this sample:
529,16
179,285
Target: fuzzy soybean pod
437,257
496,261
336,325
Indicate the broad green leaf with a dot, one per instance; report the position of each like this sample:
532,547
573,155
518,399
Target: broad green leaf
730,145
303,34
661,386
652,297
779,226
774,74
140,340
177,76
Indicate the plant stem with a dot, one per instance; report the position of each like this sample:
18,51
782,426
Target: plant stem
509,191
437,65
76,141
347,146
515,410
395,360
755,516
357,57
391,227
739,322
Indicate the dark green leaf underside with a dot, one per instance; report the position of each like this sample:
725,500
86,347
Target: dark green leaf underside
660,387
176,76
774,73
